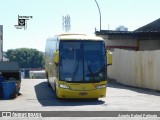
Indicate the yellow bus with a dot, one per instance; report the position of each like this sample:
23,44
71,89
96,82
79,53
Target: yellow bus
75,66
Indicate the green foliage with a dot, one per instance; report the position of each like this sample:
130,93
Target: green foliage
27,58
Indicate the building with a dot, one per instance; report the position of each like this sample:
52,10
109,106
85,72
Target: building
144,38
1,42
139,64
121,28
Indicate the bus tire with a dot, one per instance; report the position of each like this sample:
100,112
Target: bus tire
56,93
58,97
49,85
55,90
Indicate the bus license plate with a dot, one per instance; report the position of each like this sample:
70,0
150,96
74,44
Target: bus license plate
83,93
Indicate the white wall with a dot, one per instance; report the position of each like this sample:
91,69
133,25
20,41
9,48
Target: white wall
141,68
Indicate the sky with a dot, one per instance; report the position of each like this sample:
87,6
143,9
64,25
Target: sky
47,15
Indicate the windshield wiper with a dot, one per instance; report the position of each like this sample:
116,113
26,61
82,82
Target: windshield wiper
91,73
75,72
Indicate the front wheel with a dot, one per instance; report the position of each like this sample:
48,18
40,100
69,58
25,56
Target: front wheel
48,80
56,93
49,85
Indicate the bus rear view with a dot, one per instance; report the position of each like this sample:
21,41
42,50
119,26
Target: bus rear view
81,67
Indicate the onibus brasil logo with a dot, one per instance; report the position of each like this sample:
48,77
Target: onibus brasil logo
22,22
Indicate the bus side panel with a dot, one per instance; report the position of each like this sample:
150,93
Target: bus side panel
50,67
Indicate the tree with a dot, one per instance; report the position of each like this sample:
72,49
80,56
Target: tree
27,58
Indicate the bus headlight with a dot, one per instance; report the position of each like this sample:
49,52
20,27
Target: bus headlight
100,86
64,86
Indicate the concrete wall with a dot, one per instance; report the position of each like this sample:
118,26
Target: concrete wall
149,44
143,44
141,68
119,42
132,43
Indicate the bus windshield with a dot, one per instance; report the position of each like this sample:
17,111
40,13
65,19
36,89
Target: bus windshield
82,61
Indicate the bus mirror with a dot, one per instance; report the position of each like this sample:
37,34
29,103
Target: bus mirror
56,57
109,57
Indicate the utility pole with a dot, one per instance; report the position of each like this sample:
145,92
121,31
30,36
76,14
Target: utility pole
99,13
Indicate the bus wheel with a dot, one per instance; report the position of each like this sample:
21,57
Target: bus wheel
57,94
58,97
49,85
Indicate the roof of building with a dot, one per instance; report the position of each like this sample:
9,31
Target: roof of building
8,66
150,31
112,32
153,26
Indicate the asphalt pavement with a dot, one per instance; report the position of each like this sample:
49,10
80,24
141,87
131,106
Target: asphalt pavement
37,96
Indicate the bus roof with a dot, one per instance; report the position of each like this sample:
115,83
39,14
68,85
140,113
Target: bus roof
78,37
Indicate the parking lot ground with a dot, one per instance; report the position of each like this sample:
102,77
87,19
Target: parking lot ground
37,96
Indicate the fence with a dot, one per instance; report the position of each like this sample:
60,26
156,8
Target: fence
136,68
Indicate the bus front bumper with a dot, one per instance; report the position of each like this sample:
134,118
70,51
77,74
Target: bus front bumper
68,93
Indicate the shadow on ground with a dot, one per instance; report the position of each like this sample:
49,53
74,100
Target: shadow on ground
46,97
136,89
